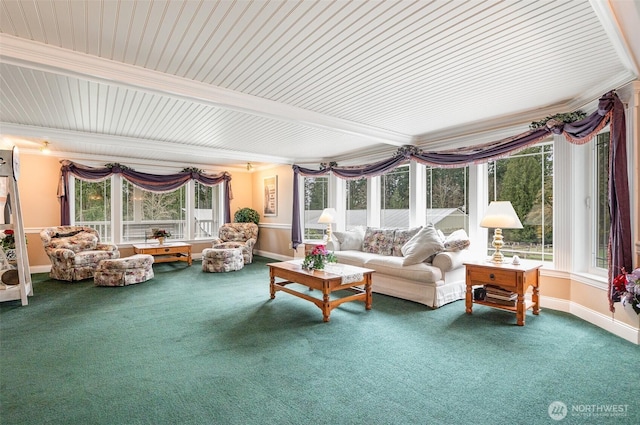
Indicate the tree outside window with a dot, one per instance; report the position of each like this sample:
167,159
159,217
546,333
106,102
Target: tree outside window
447,198
316,199
356,197
394,196
143,210
92,206
526,179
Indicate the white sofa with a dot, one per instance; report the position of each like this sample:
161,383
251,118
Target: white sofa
434,281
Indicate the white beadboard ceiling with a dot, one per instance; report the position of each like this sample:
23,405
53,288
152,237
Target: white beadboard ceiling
229,82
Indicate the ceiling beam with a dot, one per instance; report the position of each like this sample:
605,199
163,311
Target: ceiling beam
52,59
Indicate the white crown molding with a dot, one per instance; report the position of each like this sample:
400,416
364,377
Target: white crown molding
30,54
604,10
70,136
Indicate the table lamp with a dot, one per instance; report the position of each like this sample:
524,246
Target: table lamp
327,217
500,215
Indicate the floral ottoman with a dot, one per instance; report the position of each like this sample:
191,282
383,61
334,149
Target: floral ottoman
222,259
124,271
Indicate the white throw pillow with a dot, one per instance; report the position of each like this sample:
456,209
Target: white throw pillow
351,240
422,246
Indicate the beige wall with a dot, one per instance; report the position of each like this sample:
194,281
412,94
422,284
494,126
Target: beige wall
275,232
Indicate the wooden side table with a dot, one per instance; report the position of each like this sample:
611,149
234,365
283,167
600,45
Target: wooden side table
510,278
175,251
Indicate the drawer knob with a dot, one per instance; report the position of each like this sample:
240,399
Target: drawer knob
492,276
166,250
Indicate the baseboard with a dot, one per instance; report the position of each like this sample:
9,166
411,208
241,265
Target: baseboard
600,320
279,257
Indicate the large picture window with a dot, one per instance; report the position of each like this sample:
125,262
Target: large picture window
356,203
526,179
447,198
193,211
206,215
394,198
143,210
92,206
316,199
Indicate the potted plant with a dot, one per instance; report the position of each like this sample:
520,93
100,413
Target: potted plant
160,235
246,215
8,243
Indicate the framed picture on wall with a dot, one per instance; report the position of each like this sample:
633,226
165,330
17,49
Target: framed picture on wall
270,196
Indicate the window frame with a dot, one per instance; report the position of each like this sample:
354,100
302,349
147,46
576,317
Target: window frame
117,219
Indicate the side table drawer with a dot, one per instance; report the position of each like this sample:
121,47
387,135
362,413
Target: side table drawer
493,276
165,250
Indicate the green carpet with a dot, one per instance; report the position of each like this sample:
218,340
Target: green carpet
211,348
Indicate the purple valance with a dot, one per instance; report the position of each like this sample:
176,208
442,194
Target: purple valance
146,181
610,111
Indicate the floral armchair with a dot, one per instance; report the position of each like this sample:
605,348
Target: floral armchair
238,235
75,251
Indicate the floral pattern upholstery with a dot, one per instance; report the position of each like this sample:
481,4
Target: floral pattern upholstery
378,241
124,271
401,237
75,251
238,235
216,260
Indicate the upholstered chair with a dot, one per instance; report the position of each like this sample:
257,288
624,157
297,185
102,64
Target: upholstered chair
238,235
75,251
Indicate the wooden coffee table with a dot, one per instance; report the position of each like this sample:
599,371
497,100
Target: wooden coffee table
167,252
325,281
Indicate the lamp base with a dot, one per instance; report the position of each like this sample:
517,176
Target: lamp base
497,258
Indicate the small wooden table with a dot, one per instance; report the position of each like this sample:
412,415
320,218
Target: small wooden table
509,277
325,281
168,252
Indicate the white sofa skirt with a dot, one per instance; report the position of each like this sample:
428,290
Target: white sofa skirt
443,292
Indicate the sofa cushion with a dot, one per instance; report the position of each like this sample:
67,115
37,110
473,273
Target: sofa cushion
81,241
392,266
354,258
378,241
457,241
401,237
421,246
352,239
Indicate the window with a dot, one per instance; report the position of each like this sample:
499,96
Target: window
447,198
143,210
526,179
601,198
394,198
356,197
92,206
316,199
132,212
206,214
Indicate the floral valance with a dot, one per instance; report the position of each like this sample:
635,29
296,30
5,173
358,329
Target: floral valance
610,111
146,181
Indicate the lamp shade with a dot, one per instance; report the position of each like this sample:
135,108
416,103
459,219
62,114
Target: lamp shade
501,215
327,216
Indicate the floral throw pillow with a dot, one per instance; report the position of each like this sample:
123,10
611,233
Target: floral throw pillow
400,237
378,241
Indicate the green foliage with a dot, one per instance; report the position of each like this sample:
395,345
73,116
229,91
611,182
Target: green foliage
394,189
246,215
316,193
566,117
521,179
